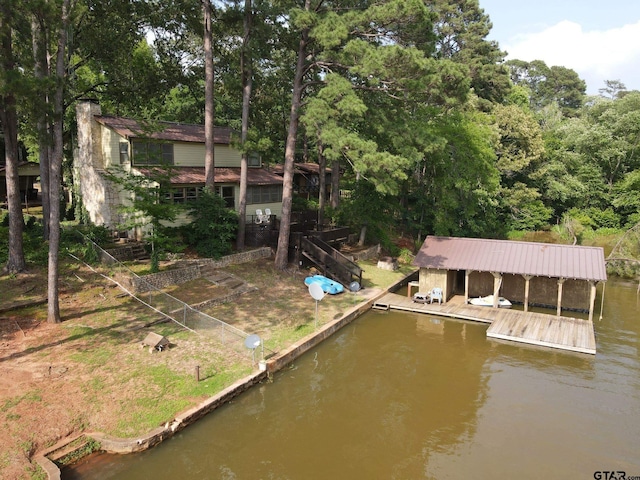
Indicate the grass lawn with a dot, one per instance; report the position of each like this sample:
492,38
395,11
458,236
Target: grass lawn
90,372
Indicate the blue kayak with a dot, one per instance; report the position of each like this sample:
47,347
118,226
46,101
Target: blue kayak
328,286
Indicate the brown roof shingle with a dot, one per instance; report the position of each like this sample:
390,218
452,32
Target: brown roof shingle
175,132
300,168
195,176
520,258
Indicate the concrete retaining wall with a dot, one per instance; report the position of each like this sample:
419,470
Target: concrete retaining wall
237,258
368,254
284,358
162,280
186,274
127,445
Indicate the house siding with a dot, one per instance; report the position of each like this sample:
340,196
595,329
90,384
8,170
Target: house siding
430,278
111,147
192,155
98,149
98,195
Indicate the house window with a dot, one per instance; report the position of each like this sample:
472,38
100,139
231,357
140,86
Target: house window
178,195
124,153
264,194
228,195
152,153
183,194
253,159
191,193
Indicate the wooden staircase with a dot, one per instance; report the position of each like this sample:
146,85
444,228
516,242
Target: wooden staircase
330,261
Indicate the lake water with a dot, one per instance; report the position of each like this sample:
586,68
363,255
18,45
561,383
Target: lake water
410,396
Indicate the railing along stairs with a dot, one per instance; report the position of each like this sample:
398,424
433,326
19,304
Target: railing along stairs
330,261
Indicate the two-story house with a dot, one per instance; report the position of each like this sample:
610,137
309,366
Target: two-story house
106,141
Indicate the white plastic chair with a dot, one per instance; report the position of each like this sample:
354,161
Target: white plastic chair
436,294
259,216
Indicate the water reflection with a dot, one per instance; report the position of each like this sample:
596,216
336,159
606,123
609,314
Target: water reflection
397,396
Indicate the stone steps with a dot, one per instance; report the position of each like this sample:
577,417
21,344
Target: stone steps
78,446
130,252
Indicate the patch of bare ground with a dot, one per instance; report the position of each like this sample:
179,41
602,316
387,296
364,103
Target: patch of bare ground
90,372
281,306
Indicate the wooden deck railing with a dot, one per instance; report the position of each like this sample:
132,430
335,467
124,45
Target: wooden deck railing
332,263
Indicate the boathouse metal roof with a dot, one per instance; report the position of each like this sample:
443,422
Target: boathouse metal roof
513,257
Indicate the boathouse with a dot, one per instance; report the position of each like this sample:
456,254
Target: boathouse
530,273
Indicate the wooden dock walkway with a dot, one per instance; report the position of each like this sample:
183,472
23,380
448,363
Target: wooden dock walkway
565,333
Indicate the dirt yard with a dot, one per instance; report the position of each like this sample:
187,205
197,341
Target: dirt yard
90,372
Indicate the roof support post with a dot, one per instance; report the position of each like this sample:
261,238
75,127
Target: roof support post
560,283
497,283
592,299
527,280
467,274
604,284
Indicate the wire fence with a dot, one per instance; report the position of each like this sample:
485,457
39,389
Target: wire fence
166,305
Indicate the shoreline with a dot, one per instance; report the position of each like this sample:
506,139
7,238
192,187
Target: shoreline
182,420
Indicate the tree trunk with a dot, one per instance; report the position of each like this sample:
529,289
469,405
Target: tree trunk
246,72
282,253
53,311
322,182
16,262
41,70
335,184
209,160
363,235
9,119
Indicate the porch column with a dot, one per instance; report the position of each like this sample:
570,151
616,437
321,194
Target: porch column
497,283
592,300
560,282
527,279
467,274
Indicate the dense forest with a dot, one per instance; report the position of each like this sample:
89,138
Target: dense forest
419,112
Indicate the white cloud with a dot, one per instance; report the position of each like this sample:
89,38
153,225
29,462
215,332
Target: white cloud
596,55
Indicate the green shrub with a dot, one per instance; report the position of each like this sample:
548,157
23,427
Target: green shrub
405,256
632,220
97,233
301,204
604,218
582,217
606,231
516,234
213,227
32,222
175,240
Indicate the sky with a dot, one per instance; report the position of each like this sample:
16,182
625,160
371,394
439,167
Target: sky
599,39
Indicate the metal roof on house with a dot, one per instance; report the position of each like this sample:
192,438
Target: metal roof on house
195,176
519,258
304,168
175,132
